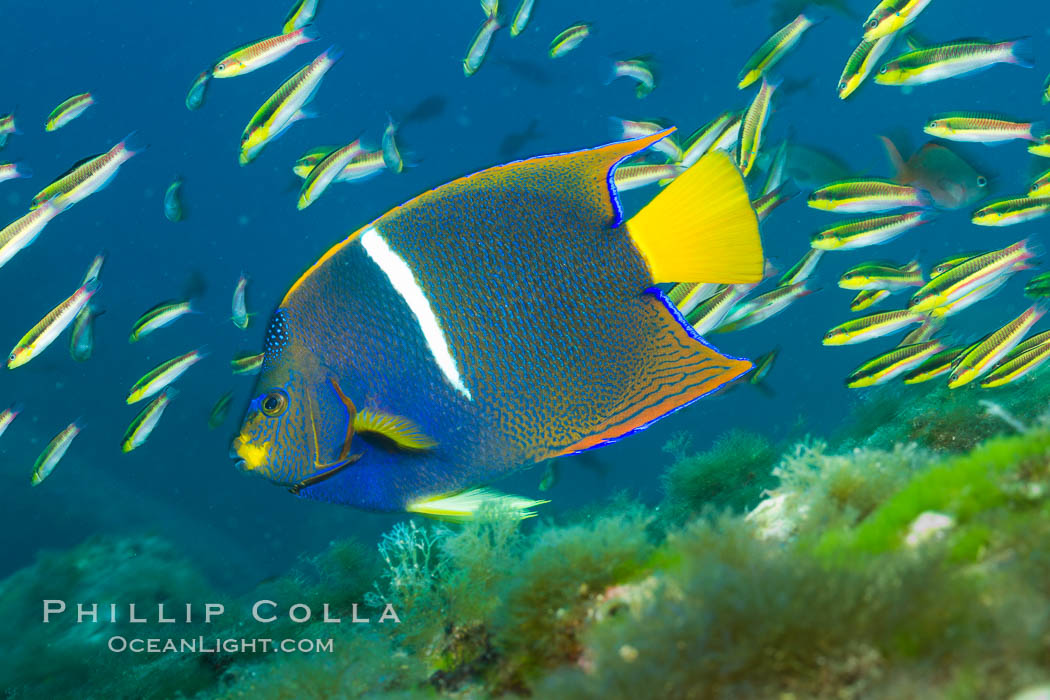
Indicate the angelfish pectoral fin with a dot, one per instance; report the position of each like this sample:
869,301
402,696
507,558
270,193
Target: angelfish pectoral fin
324,471
399,430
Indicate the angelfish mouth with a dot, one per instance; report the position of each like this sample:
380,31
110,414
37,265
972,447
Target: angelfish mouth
238,463
249,456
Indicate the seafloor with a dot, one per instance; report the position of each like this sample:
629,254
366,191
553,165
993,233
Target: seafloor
906,556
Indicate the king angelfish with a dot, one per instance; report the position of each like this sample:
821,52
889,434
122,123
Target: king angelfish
500,320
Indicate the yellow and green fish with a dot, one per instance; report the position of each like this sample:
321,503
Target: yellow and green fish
709,313
865,328
88,176
1040,188
246,363
881,275
253,56
301,14
688,295
1016,366
479,47
361,167
1024,359
952,60
220,410
639,70
628,129
890,16
240,316
163,314
632,176
982,127
866,299
54,452
860,64
1041,148
521,17
937,365
875,230
8,415
569,40
36,340
803,269
174,210
14,171
762,308
1038,286
7,127
391,153
753,125
765,204
286,106
976,362
198,90
144,423
892,364
951,261
324,173
702,140
773,50
1008,212
69,110
162,375
929,328
867,195
23,231
967,276
970,298
82,337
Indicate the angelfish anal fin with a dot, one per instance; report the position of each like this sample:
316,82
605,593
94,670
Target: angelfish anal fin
679,369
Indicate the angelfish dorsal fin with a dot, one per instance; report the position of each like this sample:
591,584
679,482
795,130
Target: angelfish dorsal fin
401,431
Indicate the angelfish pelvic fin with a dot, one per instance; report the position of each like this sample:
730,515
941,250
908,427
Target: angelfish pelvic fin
324,471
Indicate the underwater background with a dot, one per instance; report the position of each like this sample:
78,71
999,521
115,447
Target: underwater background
833,605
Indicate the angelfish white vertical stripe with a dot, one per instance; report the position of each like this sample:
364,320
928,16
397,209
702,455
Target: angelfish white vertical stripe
402,279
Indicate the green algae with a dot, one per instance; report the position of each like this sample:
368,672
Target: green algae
868,569
732,473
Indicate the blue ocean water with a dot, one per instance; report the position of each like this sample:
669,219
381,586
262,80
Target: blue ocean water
138,60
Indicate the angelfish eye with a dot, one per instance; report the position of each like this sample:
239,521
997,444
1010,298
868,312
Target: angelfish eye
982,181
274,403
872,23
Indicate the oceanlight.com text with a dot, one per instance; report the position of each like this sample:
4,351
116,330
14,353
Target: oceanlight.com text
215,645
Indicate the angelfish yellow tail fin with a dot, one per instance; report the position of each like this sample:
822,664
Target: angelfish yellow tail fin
464,505
701,227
